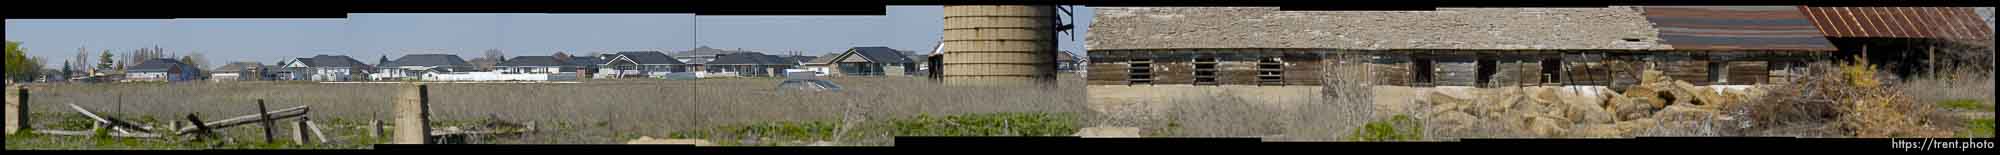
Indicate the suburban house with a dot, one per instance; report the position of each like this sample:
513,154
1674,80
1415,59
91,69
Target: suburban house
820,65
414,66
324,68
585,67
1067,62
703,54
640,64
1477,47
531,65
871,61
238,71
749,64
162,70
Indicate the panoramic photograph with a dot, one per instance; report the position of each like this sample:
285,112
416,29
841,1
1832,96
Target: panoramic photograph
1267,74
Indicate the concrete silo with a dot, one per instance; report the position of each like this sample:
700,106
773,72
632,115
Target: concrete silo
998,45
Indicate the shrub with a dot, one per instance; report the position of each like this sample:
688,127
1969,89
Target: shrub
1398,128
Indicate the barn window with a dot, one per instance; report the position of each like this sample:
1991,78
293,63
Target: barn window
1487,67
1717,72
1140,71
1551,70
1271,71
1204,70
1423,70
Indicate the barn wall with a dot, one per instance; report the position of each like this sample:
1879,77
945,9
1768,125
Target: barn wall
1392,73
1747,72
1692,71
1236,72
1451,73
1304,71
1173,71
1107,74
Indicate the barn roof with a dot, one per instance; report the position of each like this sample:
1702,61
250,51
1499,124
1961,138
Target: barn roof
1117,28
1736,28
1900,22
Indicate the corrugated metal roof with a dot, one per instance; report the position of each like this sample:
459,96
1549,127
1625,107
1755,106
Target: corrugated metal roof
1736,28
1899,22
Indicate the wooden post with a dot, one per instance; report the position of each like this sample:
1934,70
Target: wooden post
321,136
17,110
299,132
413,115
201,130
377,133
267,122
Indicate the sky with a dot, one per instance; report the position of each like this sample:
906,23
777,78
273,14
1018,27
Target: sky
370,36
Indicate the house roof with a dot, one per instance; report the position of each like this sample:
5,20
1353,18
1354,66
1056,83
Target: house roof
650,57
1736,28
157,65
532,61
1900,22
1121,28
427,60
881,54
238,66
705,51
332,61
585,60
749,59
823,59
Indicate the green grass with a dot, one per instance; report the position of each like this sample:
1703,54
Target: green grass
1966,104
1398,128
1977,128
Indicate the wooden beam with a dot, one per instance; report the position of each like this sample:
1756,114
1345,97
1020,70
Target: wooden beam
245,119
90,133
198,126
315,130
115,123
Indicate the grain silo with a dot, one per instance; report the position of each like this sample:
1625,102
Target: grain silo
996,45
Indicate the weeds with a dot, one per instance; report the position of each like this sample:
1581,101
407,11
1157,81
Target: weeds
1965,104
1398,128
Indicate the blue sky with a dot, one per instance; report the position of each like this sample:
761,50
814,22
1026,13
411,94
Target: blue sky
369,36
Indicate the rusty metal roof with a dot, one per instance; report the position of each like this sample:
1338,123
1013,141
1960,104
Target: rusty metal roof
1899,22
1736,28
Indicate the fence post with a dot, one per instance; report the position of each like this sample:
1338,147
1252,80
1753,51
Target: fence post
299,132
17,110
377,132
268,123
412,115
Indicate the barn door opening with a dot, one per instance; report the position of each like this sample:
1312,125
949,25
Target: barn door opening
1551,70
1139,72
1487,67
1423,70
1204,70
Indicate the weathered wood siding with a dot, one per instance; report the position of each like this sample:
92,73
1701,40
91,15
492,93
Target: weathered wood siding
1456,73
1236,72
1392,73
1692,71
1748,72
1516,73
1173,71
1304,71
1107,74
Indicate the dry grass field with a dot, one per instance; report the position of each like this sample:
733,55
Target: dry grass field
592,112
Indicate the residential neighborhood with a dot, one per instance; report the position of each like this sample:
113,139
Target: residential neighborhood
712,63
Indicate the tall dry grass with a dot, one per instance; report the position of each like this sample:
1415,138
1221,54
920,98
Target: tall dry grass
592,112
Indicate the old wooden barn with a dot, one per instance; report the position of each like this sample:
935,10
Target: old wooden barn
1484,47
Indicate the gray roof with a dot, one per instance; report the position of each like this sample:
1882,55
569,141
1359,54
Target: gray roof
705,51
823,59
650,58
1121,28
532,61
749,59
238,67
427,60
881,54
157,65
585,60
333,61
